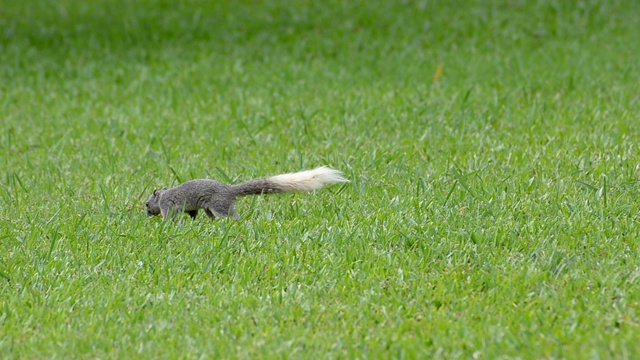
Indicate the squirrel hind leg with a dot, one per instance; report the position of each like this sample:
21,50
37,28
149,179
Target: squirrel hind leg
234,213
221,210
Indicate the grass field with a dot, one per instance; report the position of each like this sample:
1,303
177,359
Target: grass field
492,147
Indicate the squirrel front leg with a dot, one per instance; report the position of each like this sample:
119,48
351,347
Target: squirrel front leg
169,212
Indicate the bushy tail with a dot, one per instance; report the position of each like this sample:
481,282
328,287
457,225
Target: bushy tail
303,181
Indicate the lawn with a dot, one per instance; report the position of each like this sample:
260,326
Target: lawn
492,148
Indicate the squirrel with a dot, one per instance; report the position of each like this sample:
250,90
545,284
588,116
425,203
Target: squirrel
217,199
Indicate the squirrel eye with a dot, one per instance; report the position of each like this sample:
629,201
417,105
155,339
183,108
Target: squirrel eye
147,204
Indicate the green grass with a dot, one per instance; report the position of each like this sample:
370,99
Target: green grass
493,210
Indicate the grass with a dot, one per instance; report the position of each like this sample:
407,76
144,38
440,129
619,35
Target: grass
492,148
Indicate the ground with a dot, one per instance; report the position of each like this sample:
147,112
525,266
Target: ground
492,148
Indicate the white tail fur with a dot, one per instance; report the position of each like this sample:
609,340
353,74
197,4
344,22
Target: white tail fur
308,180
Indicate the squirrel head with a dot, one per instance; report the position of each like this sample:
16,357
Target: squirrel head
153,203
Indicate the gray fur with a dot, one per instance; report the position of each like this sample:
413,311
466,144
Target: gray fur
217,199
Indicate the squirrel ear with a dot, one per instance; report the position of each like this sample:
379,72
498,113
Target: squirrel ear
155,191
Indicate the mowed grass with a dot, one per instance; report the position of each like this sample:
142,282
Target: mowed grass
492,148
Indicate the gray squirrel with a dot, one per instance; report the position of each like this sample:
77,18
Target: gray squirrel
217,199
